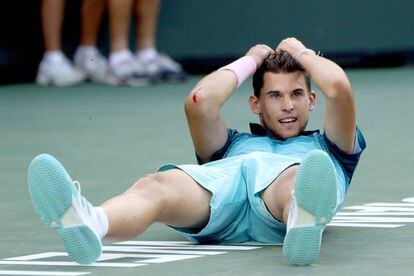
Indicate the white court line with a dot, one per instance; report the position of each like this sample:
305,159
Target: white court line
374,219
387,204
69,264
113,256
374,214
192,246
149,258
364,208
410,199
41,273
36,256
157,243
109,256
367,225
139,249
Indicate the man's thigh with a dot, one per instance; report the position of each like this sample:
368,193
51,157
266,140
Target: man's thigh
187,204
278,195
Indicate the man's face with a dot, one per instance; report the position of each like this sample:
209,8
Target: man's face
284,103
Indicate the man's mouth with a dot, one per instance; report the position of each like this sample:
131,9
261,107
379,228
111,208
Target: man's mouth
288,120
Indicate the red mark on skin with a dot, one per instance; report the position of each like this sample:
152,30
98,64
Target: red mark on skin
195,95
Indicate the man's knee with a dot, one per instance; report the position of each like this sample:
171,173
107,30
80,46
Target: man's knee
151,186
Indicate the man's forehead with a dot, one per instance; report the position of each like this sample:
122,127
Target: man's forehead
296,76
284,81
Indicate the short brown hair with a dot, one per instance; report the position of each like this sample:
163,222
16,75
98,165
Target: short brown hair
282,62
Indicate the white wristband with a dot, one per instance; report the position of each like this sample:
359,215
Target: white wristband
303,51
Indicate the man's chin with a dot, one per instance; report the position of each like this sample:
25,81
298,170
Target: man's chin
284,135
283,132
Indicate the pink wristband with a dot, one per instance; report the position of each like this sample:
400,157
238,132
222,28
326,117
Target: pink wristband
243,68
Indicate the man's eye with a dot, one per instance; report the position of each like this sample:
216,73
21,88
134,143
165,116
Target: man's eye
275,96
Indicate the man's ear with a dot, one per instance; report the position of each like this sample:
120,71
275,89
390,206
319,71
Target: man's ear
254,104
312,98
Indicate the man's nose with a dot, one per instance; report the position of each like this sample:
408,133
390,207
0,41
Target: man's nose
288,105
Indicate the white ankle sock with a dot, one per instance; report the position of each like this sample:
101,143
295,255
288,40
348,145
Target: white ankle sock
94,217
54,56
101,223
118,57
299,217
146,55
86,50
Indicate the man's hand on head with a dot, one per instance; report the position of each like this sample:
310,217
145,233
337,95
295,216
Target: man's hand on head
290,45
259,53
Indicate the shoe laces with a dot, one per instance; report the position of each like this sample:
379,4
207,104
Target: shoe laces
77,185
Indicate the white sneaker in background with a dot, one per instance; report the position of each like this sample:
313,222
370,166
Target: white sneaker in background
162,67
58,71
94,65
128,70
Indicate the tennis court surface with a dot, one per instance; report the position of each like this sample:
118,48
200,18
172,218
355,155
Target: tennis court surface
107,137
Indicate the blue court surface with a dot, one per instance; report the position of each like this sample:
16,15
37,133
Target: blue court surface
107,137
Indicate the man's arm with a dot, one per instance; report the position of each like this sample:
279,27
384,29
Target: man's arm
340,115
202,106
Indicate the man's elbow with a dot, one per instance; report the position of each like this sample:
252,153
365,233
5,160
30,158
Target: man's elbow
339,87
197,102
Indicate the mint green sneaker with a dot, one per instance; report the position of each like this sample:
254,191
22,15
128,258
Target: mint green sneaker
60,206
313,207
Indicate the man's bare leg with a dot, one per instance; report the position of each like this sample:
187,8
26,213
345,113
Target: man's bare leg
170,197
278,196
307,212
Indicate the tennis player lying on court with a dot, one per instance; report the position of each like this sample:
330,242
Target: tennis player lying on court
279,184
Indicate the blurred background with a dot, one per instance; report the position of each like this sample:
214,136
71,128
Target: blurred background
203,35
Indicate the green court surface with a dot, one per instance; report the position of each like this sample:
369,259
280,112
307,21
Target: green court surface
107,137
